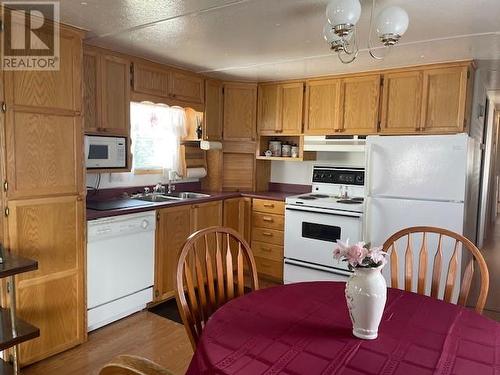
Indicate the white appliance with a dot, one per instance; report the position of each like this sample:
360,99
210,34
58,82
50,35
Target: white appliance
120,266
416,180
105,151
314,222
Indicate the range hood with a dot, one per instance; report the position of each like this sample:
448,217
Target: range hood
335,143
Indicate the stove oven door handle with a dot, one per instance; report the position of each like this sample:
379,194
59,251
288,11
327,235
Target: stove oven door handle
324,211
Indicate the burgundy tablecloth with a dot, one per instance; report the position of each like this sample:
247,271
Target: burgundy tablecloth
305,329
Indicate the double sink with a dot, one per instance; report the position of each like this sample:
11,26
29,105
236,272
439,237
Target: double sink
161,198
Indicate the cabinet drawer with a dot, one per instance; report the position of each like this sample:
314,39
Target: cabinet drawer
269,267
268,251
268,206
261,220
271,236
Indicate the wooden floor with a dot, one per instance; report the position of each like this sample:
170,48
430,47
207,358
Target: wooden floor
144,334
491,253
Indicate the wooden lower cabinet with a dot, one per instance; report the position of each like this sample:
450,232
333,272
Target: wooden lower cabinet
173,227
52,298
237,215
268,218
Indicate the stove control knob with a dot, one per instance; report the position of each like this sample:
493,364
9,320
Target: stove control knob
360,179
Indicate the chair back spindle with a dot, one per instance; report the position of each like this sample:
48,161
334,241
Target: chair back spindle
210,274
459,243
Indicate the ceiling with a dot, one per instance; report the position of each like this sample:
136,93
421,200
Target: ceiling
279,39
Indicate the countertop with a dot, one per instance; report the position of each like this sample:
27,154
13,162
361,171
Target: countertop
214,196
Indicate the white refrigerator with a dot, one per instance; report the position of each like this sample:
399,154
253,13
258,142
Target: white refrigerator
416,180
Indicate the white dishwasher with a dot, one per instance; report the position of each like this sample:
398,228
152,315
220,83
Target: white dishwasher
120,266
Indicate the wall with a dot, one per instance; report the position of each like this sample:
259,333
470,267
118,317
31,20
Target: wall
114,180
290,172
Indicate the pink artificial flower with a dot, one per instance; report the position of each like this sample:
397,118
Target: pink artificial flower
356,253
377,255
341,249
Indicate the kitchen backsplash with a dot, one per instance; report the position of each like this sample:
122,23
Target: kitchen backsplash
114,180
289,172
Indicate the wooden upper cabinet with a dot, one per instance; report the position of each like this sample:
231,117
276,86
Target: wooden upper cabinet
268,109
240,107
186,87
238,171
106,93
323,106
58,90
401,102
212,120
44,154
291,103
151,80
360,104
115,106
444,99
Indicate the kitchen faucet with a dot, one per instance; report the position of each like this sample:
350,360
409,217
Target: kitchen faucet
159,188
172,176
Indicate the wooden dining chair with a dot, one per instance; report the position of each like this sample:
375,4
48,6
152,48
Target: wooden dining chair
133,365
211,271
458,242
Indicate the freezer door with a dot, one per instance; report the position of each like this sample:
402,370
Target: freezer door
386,216
417,167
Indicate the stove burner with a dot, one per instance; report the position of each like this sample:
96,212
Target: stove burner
319,195
348,201
307,197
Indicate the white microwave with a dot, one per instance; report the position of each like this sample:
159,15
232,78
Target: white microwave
102,151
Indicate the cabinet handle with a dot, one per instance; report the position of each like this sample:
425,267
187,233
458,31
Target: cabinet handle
157,293
268,219
266,249
268,205
268,234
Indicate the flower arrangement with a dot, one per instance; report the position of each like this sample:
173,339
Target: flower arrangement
359,255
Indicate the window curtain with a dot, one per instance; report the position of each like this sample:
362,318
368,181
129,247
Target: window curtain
157,130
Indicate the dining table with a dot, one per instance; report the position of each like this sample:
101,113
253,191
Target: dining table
304,328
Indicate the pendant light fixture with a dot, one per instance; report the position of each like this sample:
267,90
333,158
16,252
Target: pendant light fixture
340,28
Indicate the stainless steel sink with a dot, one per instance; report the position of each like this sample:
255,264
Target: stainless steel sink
188,195
156,198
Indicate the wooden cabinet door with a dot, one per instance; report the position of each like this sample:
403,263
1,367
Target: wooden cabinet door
44,154
268,109
115,95
444,100
54,90
91,90
240,107
186,87
212,121
149,79
360,104
173,227
401,102
323,100
206,215
237,215
238,172
291,105
50,230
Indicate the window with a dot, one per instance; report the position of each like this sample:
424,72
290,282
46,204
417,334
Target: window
156,131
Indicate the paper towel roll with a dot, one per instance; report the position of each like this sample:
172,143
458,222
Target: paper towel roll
206,145
196,172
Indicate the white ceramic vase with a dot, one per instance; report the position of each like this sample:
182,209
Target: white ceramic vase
366,293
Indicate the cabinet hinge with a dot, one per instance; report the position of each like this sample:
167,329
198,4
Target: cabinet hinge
1,26
157,216
5,186
131,74
223,90
6,211
304,88
4,107
468,74
382,81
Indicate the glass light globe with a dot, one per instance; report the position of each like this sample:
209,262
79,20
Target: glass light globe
329,34
341,12
392,21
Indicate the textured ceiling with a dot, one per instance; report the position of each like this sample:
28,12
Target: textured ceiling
279,39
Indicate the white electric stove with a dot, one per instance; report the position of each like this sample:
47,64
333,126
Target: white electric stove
315,221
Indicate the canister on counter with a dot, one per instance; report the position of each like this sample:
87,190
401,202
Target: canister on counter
275,147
